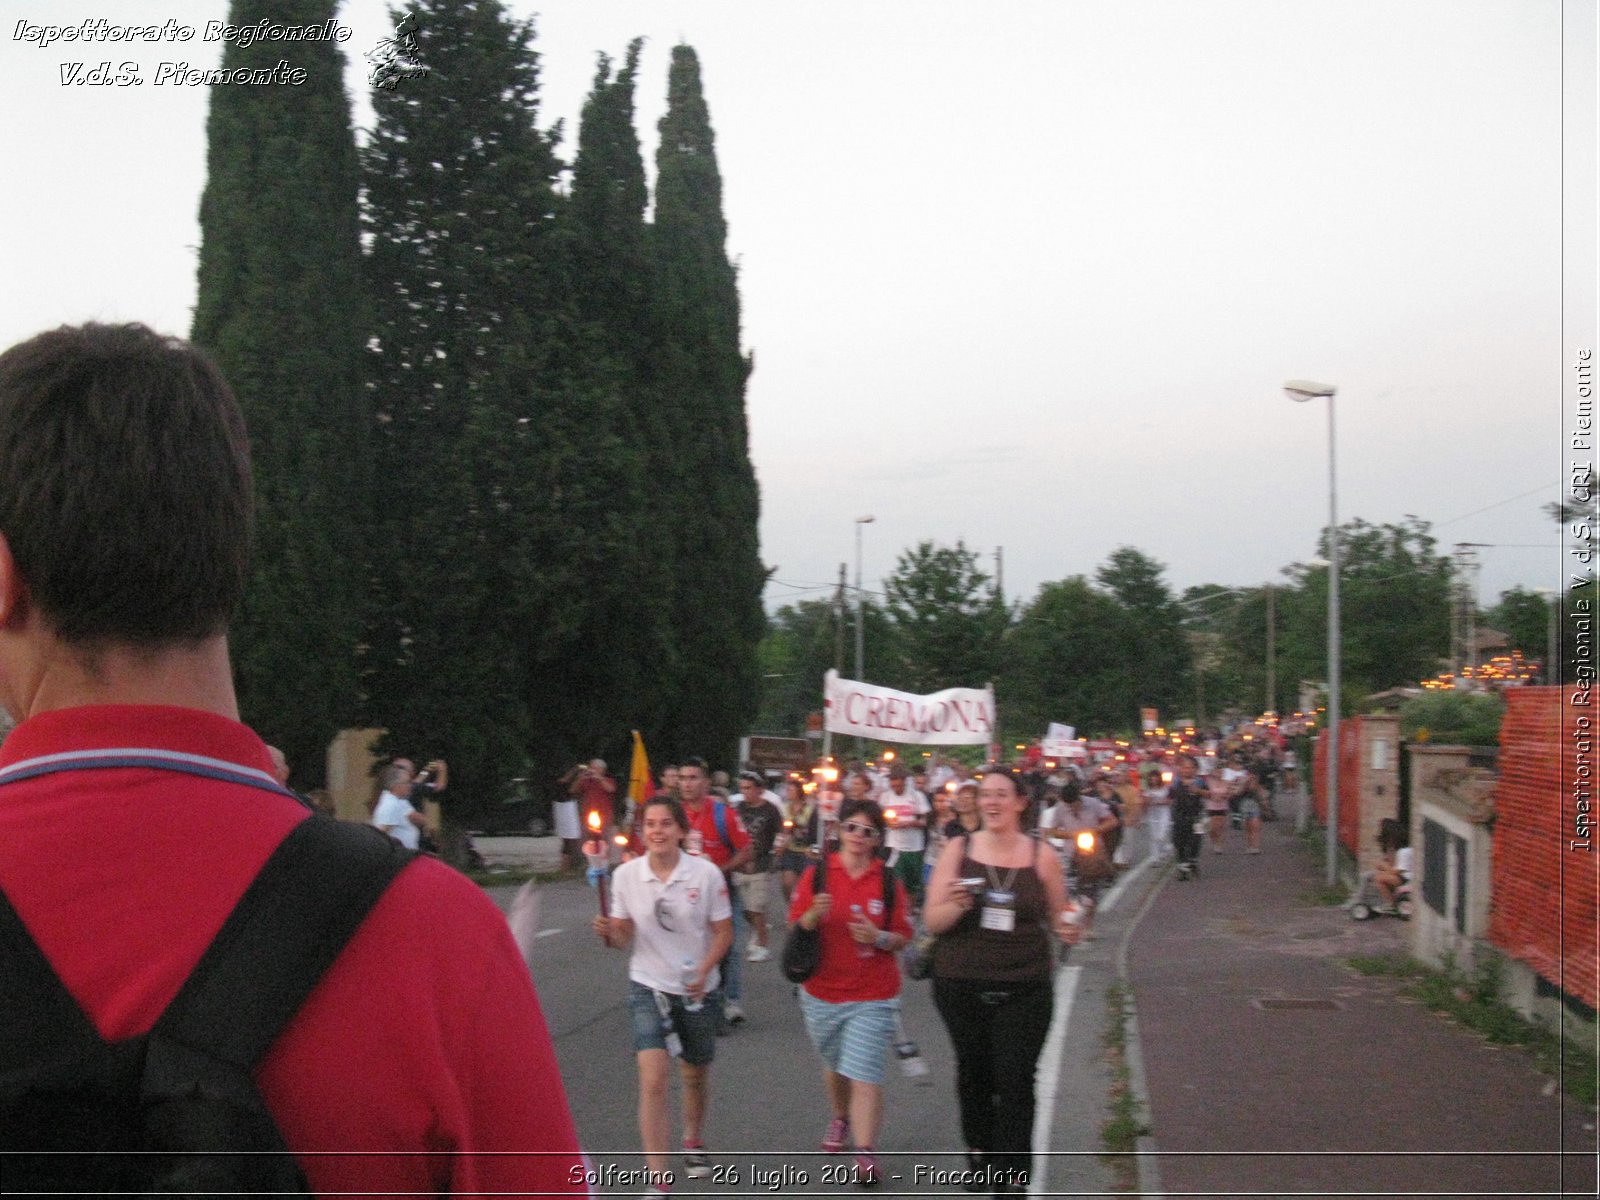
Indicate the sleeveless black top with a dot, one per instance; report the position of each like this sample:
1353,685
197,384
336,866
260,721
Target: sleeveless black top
968,951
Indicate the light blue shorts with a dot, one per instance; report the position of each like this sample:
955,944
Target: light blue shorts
852,1037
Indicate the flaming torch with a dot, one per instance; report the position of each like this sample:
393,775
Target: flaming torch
599,857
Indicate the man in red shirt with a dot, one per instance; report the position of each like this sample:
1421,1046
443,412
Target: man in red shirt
727,844
135,809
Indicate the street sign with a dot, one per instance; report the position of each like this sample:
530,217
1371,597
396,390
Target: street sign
761,753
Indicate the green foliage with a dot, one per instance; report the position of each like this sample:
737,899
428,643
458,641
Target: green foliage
708,496
1394,609
1150,646
608,678
281,307
1093,656
1453,718
490,517
948,619
1524,617
803,642
1057,665
1126,1124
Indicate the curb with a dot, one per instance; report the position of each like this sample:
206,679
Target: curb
1146,1150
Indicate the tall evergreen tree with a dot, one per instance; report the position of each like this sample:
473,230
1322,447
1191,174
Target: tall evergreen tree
280,307
625,646
486,541
700,373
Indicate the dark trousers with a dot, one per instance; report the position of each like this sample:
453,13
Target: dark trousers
997,1030
1185,841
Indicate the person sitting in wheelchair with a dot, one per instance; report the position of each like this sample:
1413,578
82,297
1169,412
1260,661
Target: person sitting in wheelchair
1393,871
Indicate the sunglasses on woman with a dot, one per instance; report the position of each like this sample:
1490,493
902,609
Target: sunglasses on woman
866,831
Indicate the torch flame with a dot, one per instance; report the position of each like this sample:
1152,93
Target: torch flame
594,821
1086,842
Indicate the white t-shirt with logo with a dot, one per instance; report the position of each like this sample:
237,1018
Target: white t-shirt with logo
692,897
909,805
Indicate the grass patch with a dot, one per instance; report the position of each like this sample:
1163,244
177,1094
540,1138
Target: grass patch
1121,1131
1324,896
1474,1001
1393,965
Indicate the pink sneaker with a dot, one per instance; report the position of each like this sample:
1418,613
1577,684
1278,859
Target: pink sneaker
866,1168
837,1137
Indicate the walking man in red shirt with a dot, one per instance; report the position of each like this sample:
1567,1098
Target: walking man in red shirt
716,832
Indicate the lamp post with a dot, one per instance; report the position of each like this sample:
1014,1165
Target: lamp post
860,628
1301,391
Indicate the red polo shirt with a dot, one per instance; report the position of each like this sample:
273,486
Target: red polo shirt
846,974
713,847
424,1036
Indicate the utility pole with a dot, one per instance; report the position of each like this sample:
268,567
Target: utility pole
838,624
1000,573
1272,701
838,655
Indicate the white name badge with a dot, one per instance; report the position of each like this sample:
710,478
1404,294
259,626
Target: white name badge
1001,920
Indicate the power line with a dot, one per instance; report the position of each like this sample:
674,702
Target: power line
1555,487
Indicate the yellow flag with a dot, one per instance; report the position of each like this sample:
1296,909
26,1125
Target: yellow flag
640,786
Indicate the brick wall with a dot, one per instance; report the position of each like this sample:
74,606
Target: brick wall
1545,894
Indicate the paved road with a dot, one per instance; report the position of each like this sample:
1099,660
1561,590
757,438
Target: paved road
768,1111
1374,1096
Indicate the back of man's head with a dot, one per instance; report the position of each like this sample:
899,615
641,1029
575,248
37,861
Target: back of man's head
125,490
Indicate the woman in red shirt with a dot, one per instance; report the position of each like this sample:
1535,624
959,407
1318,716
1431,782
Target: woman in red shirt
851,1002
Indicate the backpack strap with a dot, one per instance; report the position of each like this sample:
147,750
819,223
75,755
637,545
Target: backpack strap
43,1022
719,814
291,924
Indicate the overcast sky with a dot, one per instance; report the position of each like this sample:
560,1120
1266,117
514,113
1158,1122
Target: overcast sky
1027,273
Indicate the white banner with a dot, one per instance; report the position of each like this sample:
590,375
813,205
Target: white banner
953,717
1059,741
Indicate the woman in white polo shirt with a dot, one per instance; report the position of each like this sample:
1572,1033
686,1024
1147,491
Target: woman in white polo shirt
674,910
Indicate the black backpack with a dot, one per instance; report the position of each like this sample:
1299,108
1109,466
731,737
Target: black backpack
176,1110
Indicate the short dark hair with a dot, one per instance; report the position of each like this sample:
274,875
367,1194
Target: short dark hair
866,808
672,804
125,488
695,761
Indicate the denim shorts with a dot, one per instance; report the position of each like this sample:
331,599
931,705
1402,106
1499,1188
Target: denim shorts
697,1030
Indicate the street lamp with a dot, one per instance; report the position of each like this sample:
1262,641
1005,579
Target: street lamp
860,630
1301,391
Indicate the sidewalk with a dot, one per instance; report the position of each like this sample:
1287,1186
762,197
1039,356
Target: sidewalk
1273,1069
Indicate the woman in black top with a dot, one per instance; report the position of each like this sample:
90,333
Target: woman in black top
991,974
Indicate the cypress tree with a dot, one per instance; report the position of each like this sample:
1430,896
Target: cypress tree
612,669
700,375
280,307
479,577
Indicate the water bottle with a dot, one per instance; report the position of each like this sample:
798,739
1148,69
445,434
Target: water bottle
695,843
689,972
862,951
